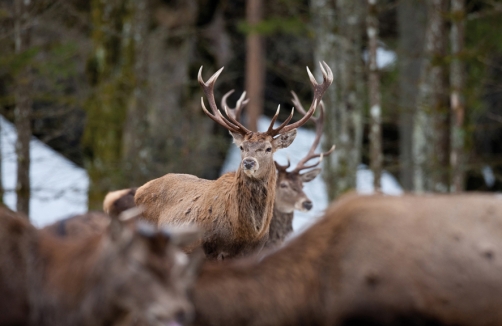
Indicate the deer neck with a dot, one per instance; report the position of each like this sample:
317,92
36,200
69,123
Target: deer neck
254,199
281,226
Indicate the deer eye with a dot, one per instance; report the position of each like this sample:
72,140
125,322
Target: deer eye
242,148
269,149
284,185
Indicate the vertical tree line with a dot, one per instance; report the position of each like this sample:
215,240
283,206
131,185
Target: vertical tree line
23,99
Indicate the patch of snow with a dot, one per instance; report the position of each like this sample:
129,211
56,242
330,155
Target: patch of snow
385,58
58,186
488,176
316,189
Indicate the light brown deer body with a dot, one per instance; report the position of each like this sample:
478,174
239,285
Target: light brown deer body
235,210
109,278
371,260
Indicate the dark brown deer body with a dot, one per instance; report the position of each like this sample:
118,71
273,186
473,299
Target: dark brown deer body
82,225
235,210
104,279
371,260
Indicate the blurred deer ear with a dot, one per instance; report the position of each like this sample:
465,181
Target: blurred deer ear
285,139
310,175
238,138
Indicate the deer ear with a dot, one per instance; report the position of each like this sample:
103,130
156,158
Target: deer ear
310,175
285,139
238,138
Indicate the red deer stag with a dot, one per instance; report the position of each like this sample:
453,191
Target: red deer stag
235,210
371,260
289,195
113,277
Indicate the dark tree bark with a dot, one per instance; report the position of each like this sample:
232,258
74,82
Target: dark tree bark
111,72
136,156
376,155
22,113
457,84
255,64
412,17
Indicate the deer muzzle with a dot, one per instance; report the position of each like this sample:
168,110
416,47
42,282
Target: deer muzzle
250,164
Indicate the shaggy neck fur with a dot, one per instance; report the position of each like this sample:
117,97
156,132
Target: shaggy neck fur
255,198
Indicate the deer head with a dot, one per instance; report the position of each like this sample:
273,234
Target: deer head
289,194
257,148
146,272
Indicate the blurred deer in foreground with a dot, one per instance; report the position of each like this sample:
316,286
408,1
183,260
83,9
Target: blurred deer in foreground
235,210
289,194
370,260
117,276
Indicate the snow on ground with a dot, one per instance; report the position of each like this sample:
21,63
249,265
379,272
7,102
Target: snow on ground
316,189
58,187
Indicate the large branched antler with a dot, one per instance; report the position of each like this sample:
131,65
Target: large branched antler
319,90
208,87
319,122
241,103
233,114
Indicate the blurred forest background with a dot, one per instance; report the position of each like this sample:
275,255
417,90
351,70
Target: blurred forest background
112,85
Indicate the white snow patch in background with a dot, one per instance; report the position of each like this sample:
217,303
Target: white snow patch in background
316,189
488,175
58,186
385,58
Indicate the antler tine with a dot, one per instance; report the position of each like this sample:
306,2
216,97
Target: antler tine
298,105
216,116
319,90
319,122
241,103
282,167
234,120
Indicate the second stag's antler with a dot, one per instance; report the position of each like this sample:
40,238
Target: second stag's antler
231,122
319,122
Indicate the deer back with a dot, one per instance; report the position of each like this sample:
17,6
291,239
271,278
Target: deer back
370,260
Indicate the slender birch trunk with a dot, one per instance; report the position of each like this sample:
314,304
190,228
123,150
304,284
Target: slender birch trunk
430,136
376,155
457,82
339,29
412,18
22,113
255,64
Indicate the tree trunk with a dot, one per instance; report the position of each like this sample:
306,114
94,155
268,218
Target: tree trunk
376,154
430,133
136,156
22,113
178,130
411,25
339,31
457,82
255,64
111,74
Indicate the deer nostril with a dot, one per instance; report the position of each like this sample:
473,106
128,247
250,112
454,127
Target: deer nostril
248,163
307,205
